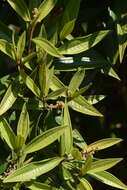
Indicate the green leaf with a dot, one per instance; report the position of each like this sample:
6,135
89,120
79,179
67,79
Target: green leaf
33,170
21,45
104,143
84,185
66,174
5,32
47,46
93,99
109,179
80,44
87,166
39,186
81,91
76,81
76,154
30,83
80,104
56,94
103,164
7,48
78,140
3,167
7,133
66,140
9,97
21,8
44,9
56,84
23,125
44,139
69,17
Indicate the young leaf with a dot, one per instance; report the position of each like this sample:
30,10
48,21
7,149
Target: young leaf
76,81
66,140
103,164
21,45
7,133
78,140
44,9
93,99
7,48
56,84
47,46
76,154
87,166
80,44
109,179
80,104
30,83
39,186
23,125
104,143
21,8
69,18
44,139
33,170
84,185
9,97
56,94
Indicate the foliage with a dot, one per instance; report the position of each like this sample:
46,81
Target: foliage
55,56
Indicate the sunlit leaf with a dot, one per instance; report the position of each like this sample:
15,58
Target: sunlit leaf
109,179
84,185
103,164
7,133
47,46
33,170
39,186
21,8
78,140
104,143
7,48
44,139
80,44
21,45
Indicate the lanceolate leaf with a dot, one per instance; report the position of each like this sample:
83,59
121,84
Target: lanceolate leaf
7,48
44,139
33,170
21,8
80,104
39,186
30,83
7,133
23,125
87,166
104,143
103,164
21,45
80,44
47,46
76,81
9,97
78,140
69,18
66,138
56,94
44,9
84,185
109,179
93,99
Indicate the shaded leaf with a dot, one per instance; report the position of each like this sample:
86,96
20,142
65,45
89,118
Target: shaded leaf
78,140
7,48
55,94
21,45
39,186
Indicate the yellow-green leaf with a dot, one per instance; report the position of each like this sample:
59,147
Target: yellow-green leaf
109,179
104,143
80,44
33,170
21,8
44,139
84,185
39,186
103,164
7,48
21,45
7,133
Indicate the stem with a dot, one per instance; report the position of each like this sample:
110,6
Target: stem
31,35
